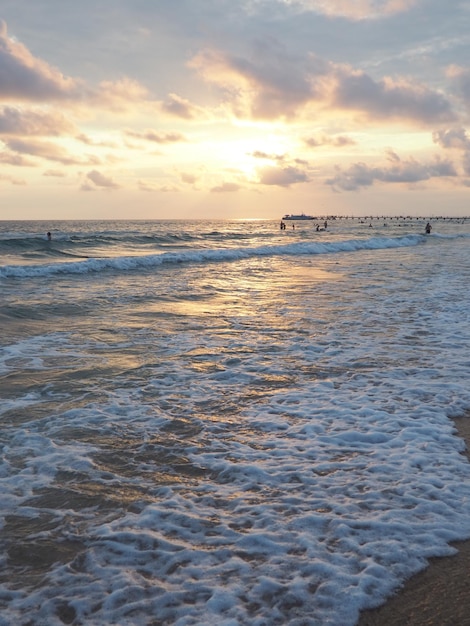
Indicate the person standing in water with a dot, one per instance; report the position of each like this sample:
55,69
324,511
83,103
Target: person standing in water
428,228
49,236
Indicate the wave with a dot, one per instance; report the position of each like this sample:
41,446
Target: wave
132,263
110,238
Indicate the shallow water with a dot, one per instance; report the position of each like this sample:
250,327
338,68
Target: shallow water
225,423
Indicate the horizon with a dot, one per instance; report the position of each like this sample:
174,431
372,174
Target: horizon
254,219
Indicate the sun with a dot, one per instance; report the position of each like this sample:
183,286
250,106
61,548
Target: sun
248,151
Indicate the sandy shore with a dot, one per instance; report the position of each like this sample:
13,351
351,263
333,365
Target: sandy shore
437,596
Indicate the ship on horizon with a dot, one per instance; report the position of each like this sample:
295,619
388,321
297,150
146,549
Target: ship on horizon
300,216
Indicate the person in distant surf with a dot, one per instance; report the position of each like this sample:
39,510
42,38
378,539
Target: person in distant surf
428,228
49,236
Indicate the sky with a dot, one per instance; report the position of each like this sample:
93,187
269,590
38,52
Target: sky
180,109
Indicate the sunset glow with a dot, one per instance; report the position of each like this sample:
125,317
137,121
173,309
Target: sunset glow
182,112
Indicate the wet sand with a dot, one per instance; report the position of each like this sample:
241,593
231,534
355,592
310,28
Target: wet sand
437,596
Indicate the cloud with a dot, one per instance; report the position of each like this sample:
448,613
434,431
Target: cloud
460,80
180,107
387,98
18,121
54,173
259,154
190,179
154,136
269,84
91,142
100,180
466,163
118,96
87,187
409,171
282,176
392,155
272,83
338,141
149,186
11,158
226,187
278,80
146,186
25,78
455,139
168,189
46,150
452,138
357,9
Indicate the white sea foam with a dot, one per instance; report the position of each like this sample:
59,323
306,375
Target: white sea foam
132,263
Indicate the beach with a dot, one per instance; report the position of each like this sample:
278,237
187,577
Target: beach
438,595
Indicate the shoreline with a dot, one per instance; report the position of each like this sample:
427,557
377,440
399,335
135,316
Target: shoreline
439,593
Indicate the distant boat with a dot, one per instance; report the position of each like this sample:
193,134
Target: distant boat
302,216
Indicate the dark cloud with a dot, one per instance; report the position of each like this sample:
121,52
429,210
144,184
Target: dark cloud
452,138
387,98
455,139
25,78
18,121
409,171
460,81
466,163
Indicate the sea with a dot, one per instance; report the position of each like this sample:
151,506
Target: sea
222,422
